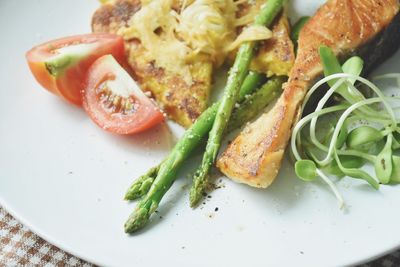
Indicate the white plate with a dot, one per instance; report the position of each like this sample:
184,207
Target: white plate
64,178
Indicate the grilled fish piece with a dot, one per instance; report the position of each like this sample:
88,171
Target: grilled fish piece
183,102
368,28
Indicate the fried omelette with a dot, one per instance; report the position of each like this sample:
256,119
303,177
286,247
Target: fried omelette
181,101
184,101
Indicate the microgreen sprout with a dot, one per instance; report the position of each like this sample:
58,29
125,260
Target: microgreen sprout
383,163
361,130
363,136
395,178
306,170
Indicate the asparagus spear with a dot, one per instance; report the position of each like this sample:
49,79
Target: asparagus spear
250,107
166,171
255,103
231,93
141,186
168,168
297,27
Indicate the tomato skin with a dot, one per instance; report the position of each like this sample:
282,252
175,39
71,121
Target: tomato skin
70,83
145,115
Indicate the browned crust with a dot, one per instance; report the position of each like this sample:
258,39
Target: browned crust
114,15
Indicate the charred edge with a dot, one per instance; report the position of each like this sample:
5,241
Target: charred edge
125,9
119,12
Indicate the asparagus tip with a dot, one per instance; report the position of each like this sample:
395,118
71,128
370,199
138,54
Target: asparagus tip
139,189
197,189
194,199
136,220
131,194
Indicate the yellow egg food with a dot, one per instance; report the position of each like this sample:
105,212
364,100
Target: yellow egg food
206,27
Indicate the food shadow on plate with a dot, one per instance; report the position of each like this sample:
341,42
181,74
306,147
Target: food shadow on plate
286,191
59,107
160,138
179,193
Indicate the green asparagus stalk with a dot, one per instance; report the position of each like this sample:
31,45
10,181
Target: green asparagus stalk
167,170
297,27
142,185
236,77
248,109
255,103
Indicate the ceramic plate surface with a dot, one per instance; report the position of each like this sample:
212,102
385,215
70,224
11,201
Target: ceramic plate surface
65,178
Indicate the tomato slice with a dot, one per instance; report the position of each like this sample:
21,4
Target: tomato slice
115,102
60,66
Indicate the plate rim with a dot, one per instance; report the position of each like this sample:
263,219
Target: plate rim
59,244
41,233
16,211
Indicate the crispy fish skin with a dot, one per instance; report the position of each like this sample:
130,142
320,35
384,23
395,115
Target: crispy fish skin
182,102
255,156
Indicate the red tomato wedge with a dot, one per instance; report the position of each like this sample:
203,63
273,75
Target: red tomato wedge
60,66
115,102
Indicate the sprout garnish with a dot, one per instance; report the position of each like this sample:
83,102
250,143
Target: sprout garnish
361,130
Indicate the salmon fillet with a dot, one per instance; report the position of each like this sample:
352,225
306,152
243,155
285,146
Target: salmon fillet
369,28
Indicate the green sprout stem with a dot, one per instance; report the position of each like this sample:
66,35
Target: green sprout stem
351,148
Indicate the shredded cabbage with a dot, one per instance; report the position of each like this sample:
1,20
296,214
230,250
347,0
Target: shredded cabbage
173,38
154,25
251,33
206,27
